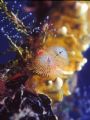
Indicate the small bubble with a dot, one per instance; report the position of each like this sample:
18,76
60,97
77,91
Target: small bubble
30,13
20,5
47,17
15,2
2,29
33,21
